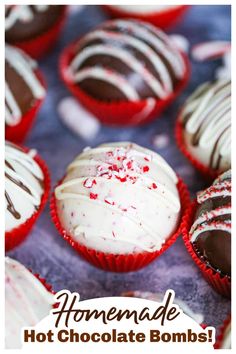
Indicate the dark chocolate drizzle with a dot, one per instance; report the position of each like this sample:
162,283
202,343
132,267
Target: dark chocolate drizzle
215,159
10,206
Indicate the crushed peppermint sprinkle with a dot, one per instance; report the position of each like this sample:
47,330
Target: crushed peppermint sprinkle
89,182
145,168
218,217
93,196
109,200
125,168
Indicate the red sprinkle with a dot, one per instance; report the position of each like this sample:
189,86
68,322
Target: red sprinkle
129,164
109,202
154,186
93,196
88,184
145,169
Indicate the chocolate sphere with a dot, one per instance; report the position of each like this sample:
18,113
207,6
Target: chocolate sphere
211,230
25,22
23,86
126,60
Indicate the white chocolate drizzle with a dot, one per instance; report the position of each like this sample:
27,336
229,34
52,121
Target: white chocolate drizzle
207,119
149,41
25,67
22,13
23,185
219,217
115,180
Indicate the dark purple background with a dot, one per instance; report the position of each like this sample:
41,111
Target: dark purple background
47,253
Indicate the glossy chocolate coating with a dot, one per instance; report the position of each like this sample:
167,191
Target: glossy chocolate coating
136,44
41,22
215,246
105,91
211,231
19,88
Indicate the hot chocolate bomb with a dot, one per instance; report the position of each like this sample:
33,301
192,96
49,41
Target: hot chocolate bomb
125,60
23,87
25,22
211,231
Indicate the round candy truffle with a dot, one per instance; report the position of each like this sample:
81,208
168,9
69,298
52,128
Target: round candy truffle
210,233
125,60
24,185
119,198
206,121
27,301
23,86
25,22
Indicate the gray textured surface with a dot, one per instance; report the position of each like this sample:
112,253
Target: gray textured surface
46,253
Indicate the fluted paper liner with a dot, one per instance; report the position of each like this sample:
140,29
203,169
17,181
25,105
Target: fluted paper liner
18,133
14,237
38,46
221,284
162,19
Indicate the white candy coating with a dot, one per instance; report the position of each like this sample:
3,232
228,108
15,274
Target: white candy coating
23,186
27,301
206,117
119,198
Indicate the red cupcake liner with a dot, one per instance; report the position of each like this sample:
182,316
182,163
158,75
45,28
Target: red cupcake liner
161,19
208,173
116,262
124,113
220,337
39,46
221,284
18,133
17,235
43,281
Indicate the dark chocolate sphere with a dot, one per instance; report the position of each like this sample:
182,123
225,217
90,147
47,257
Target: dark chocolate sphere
23,86
126,60
25,22
211,231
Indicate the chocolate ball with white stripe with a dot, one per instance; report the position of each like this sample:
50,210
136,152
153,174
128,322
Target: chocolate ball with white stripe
211,231
126,60
26,22
22,85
